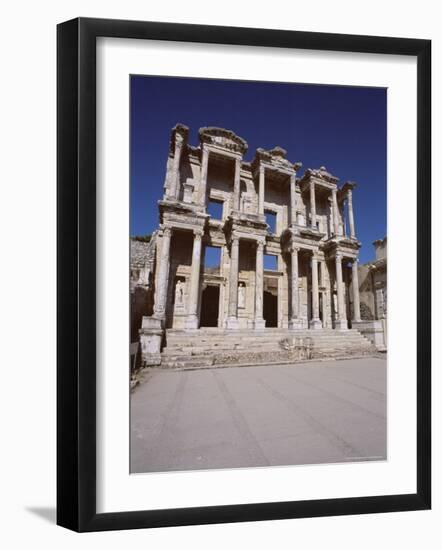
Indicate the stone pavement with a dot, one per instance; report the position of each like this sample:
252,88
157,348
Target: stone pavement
320,412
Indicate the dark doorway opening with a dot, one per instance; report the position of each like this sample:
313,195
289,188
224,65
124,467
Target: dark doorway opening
270,309
210,306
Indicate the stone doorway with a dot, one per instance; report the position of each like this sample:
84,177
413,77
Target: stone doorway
270,312
210,306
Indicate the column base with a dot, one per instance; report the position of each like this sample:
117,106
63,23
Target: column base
341,325
316,324
151,337
259,324
232,323
156,320
295,324
191,323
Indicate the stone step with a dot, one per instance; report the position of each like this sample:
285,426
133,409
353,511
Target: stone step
270,338
256,335
218,347
193,350
271,344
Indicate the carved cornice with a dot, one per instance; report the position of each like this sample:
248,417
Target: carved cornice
275,158
223,138
319,175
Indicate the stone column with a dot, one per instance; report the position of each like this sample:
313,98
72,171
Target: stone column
315,323
294,321
232,319
261,189
355,283
293,199
259,285
192,321
203,177
336,223
175,183
351,219
163,276
236,184
312,204
341,322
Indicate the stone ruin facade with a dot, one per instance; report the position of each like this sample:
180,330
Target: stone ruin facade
373,296
313,284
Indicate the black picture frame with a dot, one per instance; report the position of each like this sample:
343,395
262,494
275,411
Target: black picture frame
76,272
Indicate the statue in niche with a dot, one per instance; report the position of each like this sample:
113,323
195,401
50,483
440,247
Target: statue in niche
179,293
242,295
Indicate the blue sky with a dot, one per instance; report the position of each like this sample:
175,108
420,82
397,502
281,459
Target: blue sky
342,128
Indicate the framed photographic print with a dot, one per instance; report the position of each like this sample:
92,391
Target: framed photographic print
230,347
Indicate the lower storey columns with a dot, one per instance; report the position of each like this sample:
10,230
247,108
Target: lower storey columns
192,318
294,321
232,319
163,276
315,323
355,283
341,318
259,286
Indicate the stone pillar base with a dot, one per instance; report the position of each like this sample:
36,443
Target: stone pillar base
341,325
316,324
151,337
373,331
295,324
191,323
259,324
232,323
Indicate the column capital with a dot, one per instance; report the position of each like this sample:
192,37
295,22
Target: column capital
338,255
167,232
315,255
261,241
294,248
179,141
198,233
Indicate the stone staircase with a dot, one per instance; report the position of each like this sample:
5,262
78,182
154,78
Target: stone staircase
208,347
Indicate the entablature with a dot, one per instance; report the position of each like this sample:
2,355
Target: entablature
320,177
223,139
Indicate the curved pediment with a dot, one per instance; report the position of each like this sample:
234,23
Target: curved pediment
223,138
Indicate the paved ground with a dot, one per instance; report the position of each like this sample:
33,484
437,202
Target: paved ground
260,416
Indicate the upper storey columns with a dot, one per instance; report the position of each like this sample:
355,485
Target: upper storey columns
312,203
236,178
179,138
220,142
336,222
261,189
175,183
345,194
293,198
204,171
236,184
351,220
